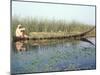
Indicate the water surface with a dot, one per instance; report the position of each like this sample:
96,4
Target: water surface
63,55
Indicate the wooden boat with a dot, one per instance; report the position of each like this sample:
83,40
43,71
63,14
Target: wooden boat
72,36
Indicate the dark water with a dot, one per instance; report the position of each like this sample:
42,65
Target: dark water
28,57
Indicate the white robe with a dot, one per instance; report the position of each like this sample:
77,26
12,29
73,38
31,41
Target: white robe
19,33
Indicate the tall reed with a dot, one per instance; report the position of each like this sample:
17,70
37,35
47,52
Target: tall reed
46,25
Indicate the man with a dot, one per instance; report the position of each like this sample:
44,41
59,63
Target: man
20,32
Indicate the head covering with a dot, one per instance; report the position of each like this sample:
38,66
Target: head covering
23,29
19,26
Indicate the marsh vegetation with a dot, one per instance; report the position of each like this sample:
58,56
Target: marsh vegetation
40,27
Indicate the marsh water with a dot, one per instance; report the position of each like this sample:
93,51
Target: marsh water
59,55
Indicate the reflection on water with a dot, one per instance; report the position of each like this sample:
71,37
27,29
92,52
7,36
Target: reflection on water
20,46
42,56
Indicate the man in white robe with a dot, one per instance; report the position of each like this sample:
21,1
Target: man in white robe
20,32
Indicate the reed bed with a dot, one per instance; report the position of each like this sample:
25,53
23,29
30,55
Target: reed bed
45,27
